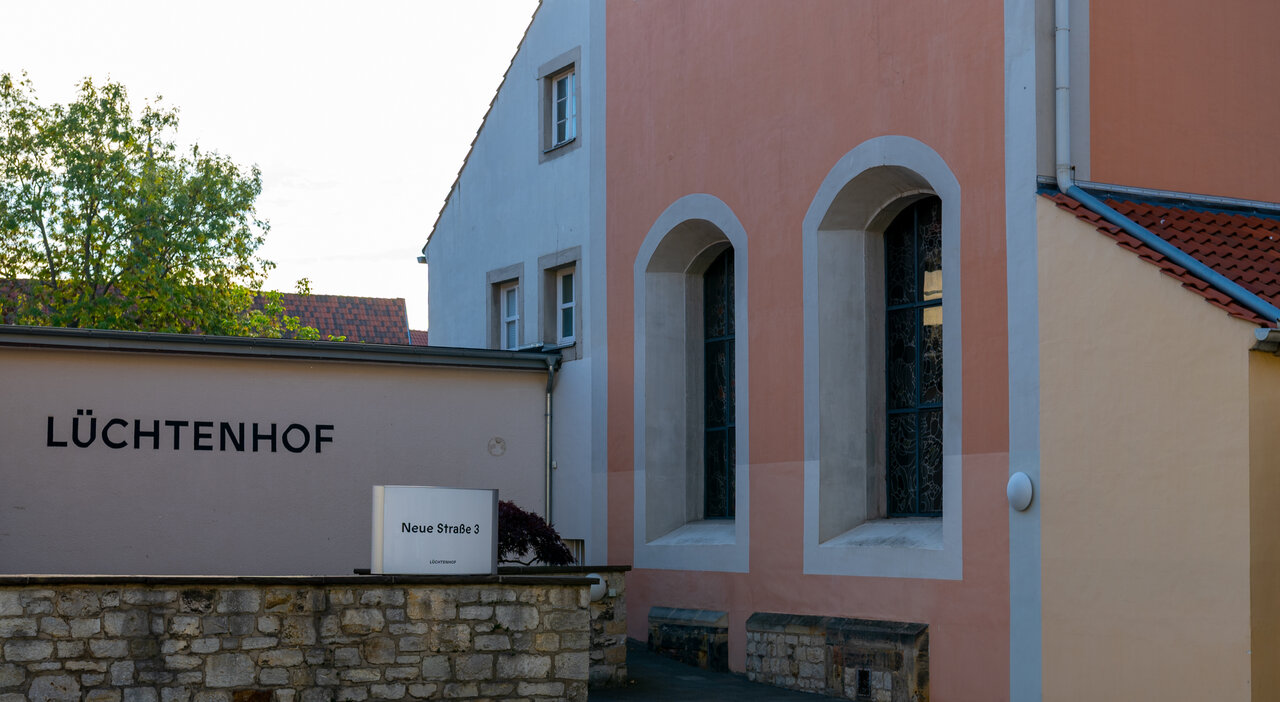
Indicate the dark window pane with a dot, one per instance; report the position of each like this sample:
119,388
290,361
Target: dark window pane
900,359
929,226
900,471
899,261
731,470
931,355
913,360
930,486
719,471
719,388
718,372
717,291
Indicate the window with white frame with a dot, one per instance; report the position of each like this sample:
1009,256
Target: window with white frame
560,302
564,107
566,306
509,314
560,104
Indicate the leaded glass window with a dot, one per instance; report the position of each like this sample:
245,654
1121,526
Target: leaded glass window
718,371
913,360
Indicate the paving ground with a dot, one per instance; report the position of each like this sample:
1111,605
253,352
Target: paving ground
658,678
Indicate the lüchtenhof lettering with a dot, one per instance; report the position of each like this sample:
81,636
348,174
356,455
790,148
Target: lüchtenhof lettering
85,430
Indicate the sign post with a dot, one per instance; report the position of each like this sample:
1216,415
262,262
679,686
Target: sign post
434,530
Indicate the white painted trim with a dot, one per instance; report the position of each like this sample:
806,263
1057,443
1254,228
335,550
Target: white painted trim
1020,162
694,553
849,554
593,336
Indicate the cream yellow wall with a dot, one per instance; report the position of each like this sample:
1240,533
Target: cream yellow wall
1264,506
1144,478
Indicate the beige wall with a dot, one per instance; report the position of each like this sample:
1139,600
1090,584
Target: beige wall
1264,505
103,510
1144,478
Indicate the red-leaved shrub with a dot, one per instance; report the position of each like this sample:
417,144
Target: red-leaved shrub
524,534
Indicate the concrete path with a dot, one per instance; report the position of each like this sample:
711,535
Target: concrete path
658,678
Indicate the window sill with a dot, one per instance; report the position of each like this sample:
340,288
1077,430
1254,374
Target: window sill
706,532
915,533
559,146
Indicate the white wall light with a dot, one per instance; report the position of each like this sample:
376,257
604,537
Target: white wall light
1019,491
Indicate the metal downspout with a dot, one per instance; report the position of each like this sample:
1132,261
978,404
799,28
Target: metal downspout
1066,182
552,366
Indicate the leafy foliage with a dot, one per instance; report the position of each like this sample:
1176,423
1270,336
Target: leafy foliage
109,224
521,534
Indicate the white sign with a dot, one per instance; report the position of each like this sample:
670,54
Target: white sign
434,530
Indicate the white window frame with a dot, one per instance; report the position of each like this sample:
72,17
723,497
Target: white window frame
509,318
551,304
570,305
565,69
498,282
564,110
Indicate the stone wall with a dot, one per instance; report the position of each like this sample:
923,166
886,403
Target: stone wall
858,659
305,639
608,620
698,637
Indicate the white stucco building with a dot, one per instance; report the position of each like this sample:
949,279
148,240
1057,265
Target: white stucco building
516,256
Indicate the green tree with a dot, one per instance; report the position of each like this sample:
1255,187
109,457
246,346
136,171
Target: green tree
106,223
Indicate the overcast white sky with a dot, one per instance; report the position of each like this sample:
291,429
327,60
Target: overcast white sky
358,114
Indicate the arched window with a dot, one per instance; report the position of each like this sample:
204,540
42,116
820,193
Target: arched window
881,243
692,399
913,360
718,398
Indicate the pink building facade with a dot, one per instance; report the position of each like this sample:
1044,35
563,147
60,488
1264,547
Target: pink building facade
795,138
846,314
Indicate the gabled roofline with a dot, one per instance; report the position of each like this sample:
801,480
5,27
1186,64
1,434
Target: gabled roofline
483,120
1100,214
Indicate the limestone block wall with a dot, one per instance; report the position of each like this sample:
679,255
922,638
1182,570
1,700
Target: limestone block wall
857,659
305,639
698,637
608,620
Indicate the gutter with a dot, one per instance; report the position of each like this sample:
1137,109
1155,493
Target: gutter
553,364
1068,187
74,339
1268,340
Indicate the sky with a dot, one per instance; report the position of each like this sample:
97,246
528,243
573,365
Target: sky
359,114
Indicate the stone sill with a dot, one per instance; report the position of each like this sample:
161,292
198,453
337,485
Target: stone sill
706,532
295,580
921,533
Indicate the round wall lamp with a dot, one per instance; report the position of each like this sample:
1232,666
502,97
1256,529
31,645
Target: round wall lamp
598,588
1019,491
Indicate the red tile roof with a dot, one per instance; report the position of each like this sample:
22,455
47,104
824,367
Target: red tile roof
418,337
373,320
1244,247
